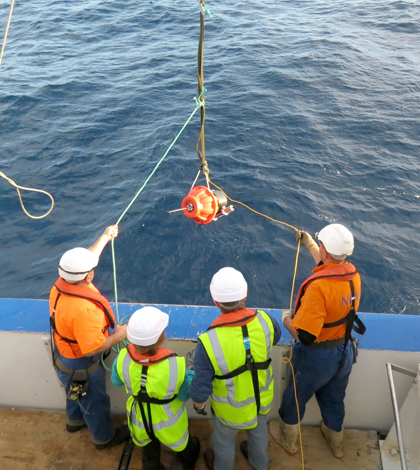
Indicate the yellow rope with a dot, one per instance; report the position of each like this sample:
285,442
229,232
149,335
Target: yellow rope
252,210
7,30
18,188
294,274
288,360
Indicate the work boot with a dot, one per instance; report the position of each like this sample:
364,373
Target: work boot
334,440
121,434
75,426
208,456
287,435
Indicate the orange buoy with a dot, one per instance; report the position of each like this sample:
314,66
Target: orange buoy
201,205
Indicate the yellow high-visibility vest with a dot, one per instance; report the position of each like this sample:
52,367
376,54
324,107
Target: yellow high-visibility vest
161,382
235,399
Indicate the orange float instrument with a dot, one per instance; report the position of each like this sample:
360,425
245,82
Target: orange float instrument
204,205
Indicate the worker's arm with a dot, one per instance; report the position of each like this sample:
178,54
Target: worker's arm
202,383
119,334
109,233
115,378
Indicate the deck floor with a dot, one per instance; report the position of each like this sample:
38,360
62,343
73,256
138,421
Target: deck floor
37,440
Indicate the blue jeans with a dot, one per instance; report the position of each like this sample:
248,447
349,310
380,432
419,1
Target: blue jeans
321,372
223,439
95,407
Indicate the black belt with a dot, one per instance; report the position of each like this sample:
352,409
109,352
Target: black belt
66,370
328,344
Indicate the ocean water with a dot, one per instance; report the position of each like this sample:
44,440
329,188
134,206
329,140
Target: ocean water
312,118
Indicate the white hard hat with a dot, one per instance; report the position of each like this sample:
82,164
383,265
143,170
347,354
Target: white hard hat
75,264
337,240
146,325
228,285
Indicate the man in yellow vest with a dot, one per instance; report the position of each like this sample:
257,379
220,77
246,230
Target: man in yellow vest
158,384
325,312
232,367
81,319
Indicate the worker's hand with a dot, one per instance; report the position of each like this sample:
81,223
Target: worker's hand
305,239
111,232
120,332
286,313
200,409
189,359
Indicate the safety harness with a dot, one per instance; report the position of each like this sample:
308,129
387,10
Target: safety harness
143,398
346,272
78,384
350,319
73,290
250,364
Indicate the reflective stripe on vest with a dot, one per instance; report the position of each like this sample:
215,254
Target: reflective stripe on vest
169,422
233,399
172,382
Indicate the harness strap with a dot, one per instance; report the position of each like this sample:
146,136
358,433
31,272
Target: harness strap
254,372
247,366
147,421
334,343
52,323
143,398
66,370
350,319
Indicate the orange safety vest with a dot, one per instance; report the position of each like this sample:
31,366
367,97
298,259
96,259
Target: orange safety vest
147,359
63,288
341,272
238,318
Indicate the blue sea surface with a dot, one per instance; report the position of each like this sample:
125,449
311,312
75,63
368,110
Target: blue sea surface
312,117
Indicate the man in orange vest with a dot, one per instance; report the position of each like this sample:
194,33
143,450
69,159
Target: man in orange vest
81,319
325,312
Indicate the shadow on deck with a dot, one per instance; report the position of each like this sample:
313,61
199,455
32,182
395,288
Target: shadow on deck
37,440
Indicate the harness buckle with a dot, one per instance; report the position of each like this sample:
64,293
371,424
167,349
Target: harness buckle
77,391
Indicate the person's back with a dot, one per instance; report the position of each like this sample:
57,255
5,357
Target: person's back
233,349
81,323
81,320
157,382
323,356
164,374
232,364
325,299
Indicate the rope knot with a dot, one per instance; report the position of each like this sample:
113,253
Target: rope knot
199,103
204,167
203,9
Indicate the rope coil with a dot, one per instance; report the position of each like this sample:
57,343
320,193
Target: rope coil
9,180
23,188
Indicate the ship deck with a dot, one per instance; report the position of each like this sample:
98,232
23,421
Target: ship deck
37,440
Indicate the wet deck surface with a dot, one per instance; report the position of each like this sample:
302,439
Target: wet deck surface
37,440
